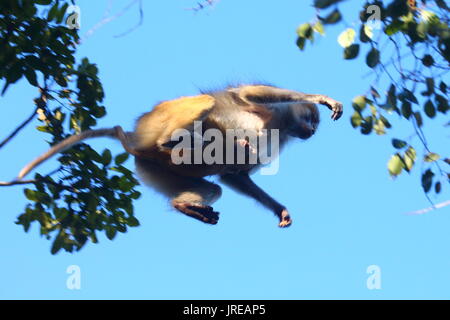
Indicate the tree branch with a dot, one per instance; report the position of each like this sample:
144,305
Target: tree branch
16,182
16,131
44,179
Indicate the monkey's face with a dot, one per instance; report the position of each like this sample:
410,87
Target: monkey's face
304,120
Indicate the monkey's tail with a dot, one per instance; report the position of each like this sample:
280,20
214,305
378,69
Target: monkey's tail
66,144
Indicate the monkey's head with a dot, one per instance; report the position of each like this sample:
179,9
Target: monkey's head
304,120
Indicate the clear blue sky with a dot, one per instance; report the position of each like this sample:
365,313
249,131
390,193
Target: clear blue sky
348,213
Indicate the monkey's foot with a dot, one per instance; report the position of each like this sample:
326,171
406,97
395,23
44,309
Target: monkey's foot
285,219
200,212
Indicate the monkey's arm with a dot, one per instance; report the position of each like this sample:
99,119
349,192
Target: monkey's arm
242,183
267,95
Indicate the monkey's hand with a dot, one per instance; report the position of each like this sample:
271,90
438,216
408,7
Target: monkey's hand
285,219
334,106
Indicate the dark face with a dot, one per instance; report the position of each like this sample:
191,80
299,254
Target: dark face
305,120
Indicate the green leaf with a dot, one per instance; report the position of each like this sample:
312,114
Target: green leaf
385,122
427,60
395,165
61,13
124,184
399,144
407,95
322,4
44,129
393,28
441,4
431,157
392,97
359,103
106,157
30,74
5,86
52,12
430,111
58,242
365,33
351,52
406,109
135,195
379,127
367,125
132,221
373,58
305,31
25,219
121,158
99,112
437,187
442,103
318,27
409,159
60,213
421,31
418,118
428,16
31,195
347,37
16,71
110,232
356,119
411,152
301,43
334,17
443,87
430,86
427,180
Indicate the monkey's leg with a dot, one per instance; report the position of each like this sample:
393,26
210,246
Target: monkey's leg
244,184
189,195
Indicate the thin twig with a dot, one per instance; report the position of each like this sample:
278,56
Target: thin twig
203,5
109,19
16,131
141,20
436,206
44,179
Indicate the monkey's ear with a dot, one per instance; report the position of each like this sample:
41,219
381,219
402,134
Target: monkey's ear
265,94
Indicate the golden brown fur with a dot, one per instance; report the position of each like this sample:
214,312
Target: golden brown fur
249,107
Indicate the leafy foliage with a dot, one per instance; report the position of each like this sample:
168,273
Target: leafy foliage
89,192
397,36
